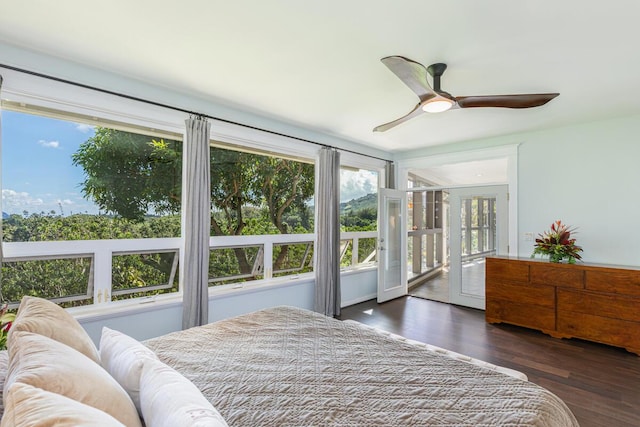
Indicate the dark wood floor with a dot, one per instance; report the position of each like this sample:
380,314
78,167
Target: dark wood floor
600,384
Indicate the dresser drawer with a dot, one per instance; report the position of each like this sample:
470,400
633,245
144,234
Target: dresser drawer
505,270
615,281
527,315
621,333
557,275
603,305
534,295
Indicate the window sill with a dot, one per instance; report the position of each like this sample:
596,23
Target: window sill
125,307
358,269
216,292
160,302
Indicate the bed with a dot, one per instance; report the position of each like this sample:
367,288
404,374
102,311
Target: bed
286,366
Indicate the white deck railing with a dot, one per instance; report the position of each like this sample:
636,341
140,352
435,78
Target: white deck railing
101,253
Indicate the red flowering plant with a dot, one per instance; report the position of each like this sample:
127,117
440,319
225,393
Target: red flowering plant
558,244
6,320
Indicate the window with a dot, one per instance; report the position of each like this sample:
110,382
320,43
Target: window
358,216
150,272
91,209
231,265
67,281
265,202
71,181
478,226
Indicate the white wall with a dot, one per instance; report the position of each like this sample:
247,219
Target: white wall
299,294
586,175
358,286
147,322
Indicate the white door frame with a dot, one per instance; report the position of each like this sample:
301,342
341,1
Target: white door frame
510,152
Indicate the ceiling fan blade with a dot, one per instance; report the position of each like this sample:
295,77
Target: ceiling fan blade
414,113
412,74
505,101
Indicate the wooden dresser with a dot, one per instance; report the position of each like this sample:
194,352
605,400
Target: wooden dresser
588,301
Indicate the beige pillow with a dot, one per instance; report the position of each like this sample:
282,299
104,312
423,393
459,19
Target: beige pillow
34,407
4,366
41,362
170,400
46,318
123,357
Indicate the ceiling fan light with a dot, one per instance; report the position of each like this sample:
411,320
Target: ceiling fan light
438,105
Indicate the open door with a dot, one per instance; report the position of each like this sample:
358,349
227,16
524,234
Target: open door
392,244
479,228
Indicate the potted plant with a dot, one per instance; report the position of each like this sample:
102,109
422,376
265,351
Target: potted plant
558,244
6,320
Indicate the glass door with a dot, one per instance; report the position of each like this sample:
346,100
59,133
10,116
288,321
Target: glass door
392,244
479,228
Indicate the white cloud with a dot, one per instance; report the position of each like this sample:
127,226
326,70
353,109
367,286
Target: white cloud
357,184
19,200
84,128
16,202
49,144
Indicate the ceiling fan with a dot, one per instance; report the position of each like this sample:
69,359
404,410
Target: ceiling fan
435,100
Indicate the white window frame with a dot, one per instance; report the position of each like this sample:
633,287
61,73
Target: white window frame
39,92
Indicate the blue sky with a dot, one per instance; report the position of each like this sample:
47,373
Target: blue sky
37,172
38,175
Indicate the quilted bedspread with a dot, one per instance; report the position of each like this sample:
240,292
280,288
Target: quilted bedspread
290,367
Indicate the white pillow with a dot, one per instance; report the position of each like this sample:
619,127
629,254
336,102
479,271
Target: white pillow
170,400
31,406
123,357
44,363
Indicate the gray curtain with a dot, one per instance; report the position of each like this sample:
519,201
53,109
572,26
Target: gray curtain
196,209
327,250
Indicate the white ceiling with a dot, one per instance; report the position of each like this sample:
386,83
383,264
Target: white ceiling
492,171
317,64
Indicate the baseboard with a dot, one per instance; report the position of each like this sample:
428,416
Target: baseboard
358,300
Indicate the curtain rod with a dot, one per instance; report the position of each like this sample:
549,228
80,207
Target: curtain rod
183,110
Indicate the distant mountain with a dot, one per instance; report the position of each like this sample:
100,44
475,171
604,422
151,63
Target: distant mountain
368,201
5,215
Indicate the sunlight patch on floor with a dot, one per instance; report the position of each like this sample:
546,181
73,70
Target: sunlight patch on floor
369,312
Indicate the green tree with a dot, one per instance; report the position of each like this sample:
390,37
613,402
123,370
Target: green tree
285,186
132,175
